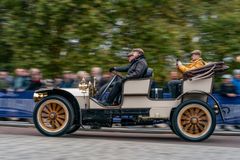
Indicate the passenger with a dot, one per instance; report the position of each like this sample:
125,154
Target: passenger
174,75
196,62
236,80
136,69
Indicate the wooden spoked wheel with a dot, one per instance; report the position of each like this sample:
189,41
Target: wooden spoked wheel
194,120
53,115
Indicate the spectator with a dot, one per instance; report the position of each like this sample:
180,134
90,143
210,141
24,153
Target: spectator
97,73
236,80
67,81
73,76
48,83
5,80
80,76
36,79
227,88
21,80
106,78
57,81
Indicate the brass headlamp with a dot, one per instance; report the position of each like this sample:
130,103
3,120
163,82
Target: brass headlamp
85,87
38,96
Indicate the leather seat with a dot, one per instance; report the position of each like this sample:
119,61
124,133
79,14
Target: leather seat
205,71
149,73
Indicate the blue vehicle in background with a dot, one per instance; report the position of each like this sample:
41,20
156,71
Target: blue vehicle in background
16,104
21,105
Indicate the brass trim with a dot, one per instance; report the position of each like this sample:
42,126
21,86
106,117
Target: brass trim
38,96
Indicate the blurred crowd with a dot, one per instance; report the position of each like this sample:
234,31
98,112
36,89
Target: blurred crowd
32,79
230,85
230,88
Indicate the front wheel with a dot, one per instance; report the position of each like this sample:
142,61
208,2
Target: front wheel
194,120
53,116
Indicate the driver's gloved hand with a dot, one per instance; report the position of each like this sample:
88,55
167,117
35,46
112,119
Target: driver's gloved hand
112,69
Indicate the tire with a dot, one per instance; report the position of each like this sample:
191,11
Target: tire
172,129
171,123
193,120
53,116
73,128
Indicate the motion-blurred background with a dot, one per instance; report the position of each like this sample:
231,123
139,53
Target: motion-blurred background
73,35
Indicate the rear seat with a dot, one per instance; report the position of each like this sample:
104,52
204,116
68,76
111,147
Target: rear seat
205,71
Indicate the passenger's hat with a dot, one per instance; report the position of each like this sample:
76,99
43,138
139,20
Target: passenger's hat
196,52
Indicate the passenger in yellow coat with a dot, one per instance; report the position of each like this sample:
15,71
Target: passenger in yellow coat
196,62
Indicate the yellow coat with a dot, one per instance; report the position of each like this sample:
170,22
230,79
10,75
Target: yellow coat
193,65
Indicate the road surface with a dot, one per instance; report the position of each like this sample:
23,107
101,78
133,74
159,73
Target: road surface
27,143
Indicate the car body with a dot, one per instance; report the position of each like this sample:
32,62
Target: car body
60,111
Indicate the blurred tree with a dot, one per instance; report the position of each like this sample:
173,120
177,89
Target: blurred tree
77,35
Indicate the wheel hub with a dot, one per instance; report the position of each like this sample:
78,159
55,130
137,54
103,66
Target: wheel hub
194,120
52,115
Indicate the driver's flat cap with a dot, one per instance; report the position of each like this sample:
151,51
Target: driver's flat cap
130,54
139,50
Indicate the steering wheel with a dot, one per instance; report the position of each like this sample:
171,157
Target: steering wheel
116,74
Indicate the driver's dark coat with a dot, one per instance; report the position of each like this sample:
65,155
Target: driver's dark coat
136,69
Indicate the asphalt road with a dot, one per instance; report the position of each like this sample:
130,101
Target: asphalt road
28,143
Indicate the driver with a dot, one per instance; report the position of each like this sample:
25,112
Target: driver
136,68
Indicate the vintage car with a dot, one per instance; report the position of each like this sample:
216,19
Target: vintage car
60,111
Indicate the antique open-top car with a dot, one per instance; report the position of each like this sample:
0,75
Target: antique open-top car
60,111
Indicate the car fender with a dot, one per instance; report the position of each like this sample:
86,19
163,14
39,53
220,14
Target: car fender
66,94
207,94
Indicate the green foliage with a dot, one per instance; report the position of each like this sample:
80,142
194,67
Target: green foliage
80,34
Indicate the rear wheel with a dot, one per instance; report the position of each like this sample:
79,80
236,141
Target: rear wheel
194,120
73,128
53,116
